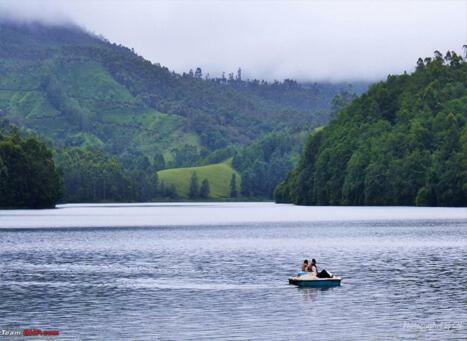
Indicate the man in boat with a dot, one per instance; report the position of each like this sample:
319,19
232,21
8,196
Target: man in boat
305,265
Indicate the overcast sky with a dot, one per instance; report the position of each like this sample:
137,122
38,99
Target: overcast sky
306,40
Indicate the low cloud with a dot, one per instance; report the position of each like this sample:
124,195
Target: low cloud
305,40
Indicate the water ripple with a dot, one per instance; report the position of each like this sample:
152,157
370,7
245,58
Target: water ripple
401,281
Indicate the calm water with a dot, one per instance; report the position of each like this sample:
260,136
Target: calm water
220,271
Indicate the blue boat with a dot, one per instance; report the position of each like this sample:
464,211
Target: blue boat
310,280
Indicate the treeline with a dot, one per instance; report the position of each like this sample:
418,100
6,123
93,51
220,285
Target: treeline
79,174
90,175
287,93
28,176
34,176
220,113
404,142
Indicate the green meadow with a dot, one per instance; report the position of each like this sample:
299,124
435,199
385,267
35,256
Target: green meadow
219,176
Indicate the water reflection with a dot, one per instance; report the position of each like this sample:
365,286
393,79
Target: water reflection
312,294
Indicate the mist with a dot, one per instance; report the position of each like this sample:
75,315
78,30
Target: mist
303,40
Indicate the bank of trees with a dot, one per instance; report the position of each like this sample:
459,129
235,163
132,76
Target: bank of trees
28,176
404,142
90,175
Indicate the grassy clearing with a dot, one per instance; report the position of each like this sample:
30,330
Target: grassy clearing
218,175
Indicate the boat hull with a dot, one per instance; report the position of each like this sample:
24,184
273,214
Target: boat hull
315,283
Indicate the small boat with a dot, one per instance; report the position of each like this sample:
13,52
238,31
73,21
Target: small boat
310,280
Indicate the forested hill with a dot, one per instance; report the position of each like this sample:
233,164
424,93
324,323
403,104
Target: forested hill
80,90
404,142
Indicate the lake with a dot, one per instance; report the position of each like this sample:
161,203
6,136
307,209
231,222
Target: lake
220,270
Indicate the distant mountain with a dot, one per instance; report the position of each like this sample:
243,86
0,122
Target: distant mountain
78,89
404,142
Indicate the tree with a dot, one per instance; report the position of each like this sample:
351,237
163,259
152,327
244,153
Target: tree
340,101
194,186
204,190
167,190
171,192
239,75
198,73
158,162
233,186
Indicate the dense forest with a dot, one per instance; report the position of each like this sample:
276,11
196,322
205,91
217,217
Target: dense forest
90,175
404,142
28,176
266,163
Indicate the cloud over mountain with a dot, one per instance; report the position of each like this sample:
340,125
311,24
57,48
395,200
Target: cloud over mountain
307,40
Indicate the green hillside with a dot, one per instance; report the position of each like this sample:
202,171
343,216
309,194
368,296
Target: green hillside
404,142
78,89
219,176
49,83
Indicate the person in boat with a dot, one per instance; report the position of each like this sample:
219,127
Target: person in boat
320,274
305,265
312,267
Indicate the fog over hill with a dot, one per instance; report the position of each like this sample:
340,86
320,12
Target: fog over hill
304,40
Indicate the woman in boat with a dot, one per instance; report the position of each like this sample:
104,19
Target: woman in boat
312,267
321,274
305,265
